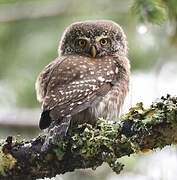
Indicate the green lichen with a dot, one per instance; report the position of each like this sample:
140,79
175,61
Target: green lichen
161,109
60,150
98,142
89,146
89,142
7,162
163,112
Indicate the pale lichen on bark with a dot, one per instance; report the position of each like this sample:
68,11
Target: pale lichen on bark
88,147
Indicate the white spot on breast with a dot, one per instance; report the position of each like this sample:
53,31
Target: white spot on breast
74,90
84,66
92,72
81,76
117,70
80,85
80,102
70,92
94,88
111,72
61,92
75,82
100,78
72,104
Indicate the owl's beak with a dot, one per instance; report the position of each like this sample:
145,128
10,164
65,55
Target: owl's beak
93,51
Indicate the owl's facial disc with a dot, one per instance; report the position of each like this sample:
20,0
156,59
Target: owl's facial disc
93,39
93,47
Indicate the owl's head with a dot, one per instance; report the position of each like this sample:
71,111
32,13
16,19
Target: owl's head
93,39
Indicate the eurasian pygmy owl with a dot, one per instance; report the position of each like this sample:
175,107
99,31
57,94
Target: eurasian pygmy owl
89,79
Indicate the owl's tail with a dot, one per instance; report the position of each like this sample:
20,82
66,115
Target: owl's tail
56,132
45,120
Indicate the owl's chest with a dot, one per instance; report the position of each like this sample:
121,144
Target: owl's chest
109,105
101,72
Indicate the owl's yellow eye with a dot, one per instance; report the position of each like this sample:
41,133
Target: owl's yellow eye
104,42
82,43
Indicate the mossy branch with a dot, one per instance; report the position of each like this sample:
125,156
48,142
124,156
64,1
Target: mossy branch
87,147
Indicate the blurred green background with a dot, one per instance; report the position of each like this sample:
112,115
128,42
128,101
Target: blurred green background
30,32
29,35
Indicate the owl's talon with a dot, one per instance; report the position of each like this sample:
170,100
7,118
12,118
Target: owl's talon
56,133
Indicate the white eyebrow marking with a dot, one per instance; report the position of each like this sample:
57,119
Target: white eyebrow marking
101,37
84,37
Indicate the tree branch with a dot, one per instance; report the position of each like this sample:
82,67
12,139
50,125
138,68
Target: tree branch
88,147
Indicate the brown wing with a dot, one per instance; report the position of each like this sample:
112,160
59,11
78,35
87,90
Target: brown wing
76,83
43,80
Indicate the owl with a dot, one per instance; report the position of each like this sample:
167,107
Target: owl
89,79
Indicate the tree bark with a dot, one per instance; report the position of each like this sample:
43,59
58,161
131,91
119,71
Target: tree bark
88,147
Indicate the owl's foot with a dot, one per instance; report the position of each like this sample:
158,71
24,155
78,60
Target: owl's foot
56,133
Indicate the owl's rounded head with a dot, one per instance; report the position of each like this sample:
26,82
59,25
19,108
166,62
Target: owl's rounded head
93,39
